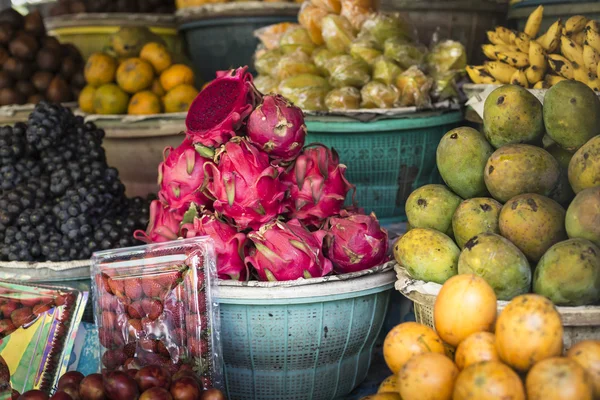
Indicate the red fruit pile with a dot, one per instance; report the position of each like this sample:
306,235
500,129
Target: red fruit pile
153,318
149,383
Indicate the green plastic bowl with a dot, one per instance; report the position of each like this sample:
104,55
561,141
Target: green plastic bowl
386,159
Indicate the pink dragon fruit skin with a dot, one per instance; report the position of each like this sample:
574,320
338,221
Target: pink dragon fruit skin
221,108
181,176
245,186
287,251
355,242
277,126
163,225
317,185
229,244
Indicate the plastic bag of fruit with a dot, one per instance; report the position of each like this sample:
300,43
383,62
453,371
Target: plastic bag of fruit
344,98
383,26
357,11
265,61
404,53
266,84
154,306
270,35
338,33
310,17
386,70
321,57
366,48
331,6
445,56
294,63
379,95
346,70
306,91
295,39
414,87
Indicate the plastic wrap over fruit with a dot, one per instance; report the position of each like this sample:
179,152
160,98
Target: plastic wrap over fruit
337,33
294,64
155,306
310,17
266,84
386,70
379,95
346,70
322,57
344,98
296,39
332,6
270,35
414,87
405,54
384,26
266,62
357,11
365,49
444,85
447,56
306,91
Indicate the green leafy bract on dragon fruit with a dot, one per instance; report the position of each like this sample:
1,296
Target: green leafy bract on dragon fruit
273,207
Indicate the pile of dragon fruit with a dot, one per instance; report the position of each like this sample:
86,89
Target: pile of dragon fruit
274,208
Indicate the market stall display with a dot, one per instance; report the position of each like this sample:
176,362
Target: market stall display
35,66
143,80
348,58
59,200
477,353
37,328
566,51
534,211
182,4
63,7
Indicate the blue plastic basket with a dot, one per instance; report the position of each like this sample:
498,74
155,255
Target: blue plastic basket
307,340
386,159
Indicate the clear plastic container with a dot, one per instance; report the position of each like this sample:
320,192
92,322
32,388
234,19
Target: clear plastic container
154,305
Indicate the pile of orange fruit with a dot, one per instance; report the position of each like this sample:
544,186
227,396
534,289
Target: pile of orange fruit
148,84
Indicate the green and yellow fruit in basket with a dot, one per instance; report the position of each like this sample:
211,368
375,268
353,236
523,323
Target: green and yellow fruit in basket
567,50
154,83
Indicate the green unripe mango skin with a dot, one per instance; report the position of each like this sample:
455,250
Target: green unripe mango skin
499,262
563,193
584,168
512,115
569,273
583,216
571,114
520,168
461,157
432,206
427,255
475,216
533,223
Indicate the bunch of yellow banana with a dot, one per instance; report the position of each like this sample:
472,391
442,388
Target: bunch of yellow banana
565,51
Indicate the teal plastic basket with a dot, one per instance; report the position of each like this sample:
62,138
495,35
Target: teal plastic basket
305,340
386,159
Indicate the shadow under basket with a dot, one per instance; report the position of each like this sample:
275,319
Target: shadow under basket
304,340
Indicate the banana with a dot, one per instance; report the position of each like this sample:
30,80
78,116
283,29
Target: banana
592,38
541,38
534,21
514,58
571,50
537,55
491,50
534,74
552,80
591,58
593,25
579,37
500,71
580,74
494,38
552,37
540,85
505,34
519,78
598,70
478,74
561,65
594,83
522,42
575,24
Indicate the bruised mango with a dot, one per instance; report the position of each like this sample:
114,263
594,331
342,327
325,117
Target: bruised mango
432,206
475,216
584,168
583,216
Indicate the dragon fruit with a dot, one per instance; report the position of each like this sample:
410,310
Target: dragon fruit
162,226
221,108
317,185
287,251
181,176
277,126
355,242
229,244
245,186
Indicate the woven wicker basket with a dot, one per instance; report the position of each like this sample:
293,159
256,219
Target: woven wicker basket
580,323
